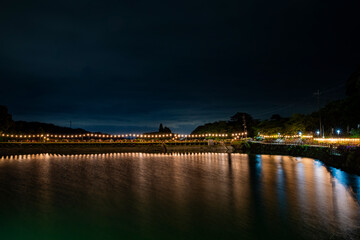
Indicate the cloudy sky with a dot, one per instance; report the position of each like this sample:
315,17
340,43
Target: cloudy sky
126,66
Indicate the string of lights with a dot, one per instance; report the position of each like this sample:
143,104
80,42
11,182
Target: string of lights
336,140
325,140
131,135
286,136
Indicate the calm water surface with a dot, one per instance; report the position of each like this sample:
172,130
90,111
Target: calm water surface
173,196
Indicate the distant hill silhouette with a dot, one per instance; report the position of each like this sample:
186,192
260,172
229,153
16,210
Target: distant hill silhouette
8,125
38,127
342,114
162,130
237,124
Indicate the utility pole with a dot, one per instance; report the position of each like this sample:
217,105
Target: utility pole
318,93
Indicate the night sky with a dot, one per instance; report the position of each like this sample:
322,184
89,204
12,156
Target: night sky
126,66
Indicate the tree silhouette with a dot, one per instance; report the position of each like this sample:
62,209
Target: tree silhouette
161,128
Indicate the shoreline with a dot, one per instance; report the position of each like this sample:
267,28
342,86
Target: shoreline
346,159
8,149
343,159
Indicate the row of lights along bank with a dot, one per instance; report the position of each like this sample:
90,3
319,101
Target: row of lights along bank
171,135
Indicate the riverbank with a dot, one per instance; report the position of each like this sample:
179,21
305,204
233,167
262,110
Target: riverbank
7,149
345,158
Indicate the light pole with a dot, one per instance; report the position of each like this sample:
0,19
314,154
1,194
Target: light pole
338,132
318,93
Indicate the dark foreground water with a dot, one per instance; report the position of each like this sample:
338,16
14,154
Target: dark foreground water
160,196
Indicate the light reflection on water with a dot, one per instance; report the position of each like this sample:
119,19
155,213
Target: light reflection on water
175,196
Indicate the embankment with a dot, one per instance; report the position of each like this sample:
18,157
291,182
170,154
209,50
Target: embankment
346,158
7,149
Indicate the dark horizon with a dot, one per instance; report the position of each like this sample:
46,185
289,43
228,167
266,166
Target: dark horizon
117,67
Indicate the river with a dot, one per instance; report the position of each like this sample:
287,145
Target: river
176,196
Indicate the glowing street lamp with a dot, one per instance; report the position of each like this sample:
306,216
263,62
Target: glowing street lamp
338,132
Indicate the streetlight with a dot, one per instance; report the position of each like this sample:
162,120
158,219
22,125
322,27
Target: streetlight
338,132
318,132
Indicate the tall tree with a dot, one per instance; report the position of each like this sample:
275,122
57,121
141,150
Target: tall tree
161,128
6,121
241,121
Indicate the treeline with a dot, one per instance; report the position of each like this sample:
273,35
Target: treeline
343,115
162,130
237,123
8,125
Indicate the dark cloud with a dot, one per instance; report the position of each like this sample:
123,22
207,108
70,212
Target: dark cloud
129,65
